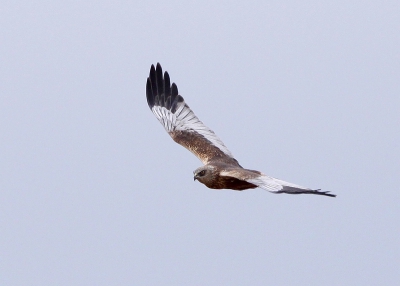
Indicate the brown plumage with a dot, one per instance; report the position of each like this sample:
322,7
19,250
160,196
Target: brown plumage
221,170
210,175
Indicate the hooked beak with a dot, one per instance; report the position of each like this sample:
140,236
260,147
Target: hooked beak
195,178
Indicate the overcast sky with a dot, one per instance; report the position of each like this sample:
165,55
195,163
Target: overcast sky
93,191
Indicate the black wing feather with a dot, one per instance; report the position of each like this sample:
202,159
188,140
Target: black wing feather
149,93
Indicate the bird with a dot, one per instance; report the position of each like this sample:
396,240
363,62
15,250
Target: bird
220,169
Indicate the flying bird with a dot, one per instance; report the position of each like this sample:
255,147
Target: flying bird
221,170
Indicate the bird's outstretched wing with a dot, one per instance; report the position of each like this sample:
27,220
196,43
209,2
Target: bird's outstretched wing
180,122
271,184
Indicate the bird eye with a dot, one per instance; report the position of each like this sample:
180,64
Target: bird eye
202,173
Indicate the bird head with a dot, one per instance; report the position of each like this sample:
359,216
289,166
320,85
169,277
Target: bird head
204,174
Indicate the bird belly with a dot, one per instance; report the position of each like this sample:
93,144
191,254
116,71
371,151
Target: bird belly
224,182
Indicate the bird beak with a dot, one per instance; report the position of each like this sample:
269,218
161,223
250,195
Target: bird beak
194,178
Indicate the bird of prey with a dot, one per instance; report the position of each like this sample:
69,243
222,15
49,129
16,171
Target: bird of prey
221,170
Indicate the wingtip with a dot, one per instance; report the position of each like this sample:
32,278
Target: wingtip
319,192
167,85
296,191
174,90
160,91
152,69
159,80
330,195
149,93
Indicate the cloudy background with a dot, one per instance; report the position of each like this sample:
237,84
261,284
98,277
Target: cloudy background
94,192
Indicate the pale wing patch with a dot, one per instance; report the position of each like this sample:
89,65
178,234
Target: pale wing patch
266,182
273,185
185,120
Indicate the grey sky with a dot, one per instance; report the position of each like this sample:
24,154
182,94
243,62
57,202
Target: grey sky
94,192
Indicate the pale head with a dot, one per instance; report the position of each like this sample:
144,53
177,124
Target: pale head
205,174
